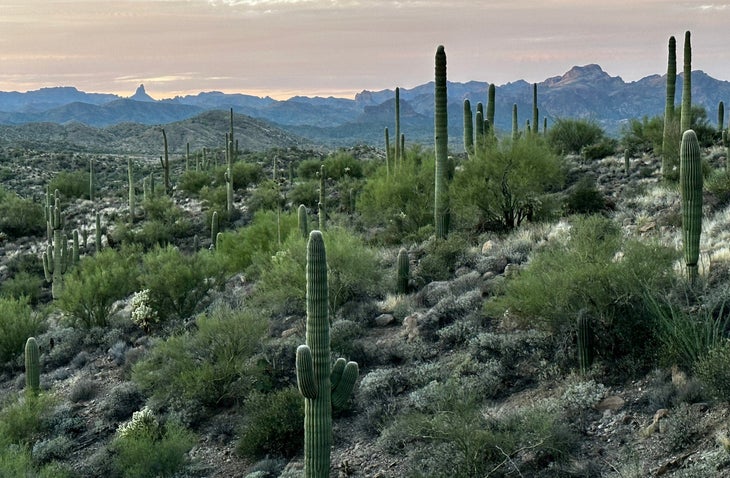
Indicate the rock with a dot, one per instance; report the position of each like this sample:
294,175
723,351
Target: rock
613,403
433,292
383,320
488,247
410,326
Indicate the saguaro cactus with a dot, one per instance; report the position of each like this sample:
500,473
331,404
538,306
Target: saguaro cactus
165,162
441,140
398,152
686,121
515,127
490,105
404,272
690,188
92,186
669,149
322,205
321,386
720,116
229,176
468,129
32,366
302,221
132,195
214,228
534,110
388,159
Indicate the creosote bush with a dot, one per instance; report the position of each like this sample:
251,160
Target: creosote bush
272,424
572,135
19,216
17,322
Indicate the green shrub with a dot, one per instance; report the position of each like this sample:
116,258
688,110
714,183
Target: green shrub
441,258
585,198
273,424
596,272
643,136
244,174
506,185
23,420
71,184
18,462
353,271
260,237
17,323
177,282
718,184
603,148
342,164
572,135
208,367
92,287
23,284
305,192
399,207
308,169
20,217
192,181
266,197
153,455
713,369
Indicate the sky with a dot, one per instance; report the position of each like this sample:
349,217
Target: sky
283,48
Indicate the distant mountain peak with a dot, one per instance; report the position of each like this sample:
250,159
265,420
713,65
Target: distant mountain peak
588,74
141,95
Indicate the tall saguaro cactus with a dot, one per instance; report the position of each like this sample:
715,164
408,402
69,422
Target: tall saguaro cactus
322,204
669,149
490,105
132,195
165,162
534,110
441,140
686,119
32,366
321,386
398,152
720,116
388,159
468,129
92,186
690,188
515,127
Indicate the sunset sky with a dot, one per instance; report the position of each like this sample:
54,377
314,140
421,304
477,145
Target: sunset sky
283,48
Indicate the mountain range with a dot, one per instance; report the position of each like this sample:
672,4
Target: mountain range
582,92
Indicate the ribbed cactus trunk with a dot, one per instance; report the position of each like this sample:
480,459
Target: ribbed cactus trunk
669,148
534,123
32,366
97,232
468,129
515,127
92,186
490,106
404,271
165,161
398,152
132,195
321,386
686,122
229,176
388,159
441,139
720,116
480,138
322,205
214,225
303,221
690,188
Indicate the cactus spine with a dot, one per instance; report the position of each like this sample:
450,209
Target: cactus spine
686,118
321,386
669,150
165,162
441,139
690,188
32,366
468,129
404,272
302,221
585,344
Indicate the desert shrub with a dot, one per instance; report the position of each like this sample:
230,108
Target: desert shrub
92,287
122,401
458,439
177,282
603,148
273,424
595,272
208,367
714,369
71,184
506,185
352,272
572,135
585,198
305,192
245,174
133,457
20,217
342,164
82,390
17,323
441,258
23,284
24,419
56,448
260,237
18,462
643,136
400,207
267,196
214,198
192,181
308,169
718,184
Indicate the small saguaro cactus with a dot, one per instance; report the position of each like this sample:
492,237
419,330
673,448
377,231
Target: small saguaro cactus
720,116
490,104
322,205
165,162
585,344
55,262
322,386
388,159
690,188
468,129
441,140
32,366
404,272
302,220
132,196
515,127
97,232
214,228
75,247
